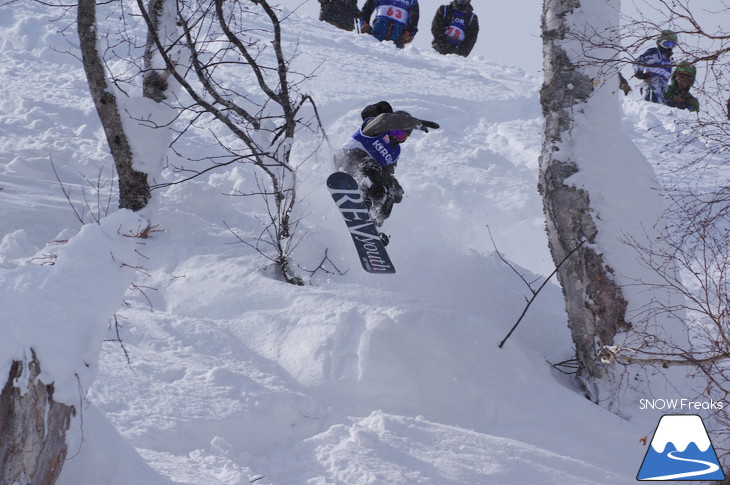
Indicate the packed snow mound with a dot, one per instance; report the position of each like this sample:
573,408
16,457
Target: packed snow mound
399,450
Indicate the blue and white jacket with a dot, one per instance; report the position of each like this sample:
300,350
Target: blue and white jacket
658,63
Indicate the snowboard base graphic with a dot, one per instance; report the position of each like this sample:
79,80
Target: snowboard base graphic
351,203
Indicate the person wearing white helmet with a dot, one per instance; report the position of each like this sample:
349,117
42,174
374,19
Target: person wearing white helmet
654,67
455,28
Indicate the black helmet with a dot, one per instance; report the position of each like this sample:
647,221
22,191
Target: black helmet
373,110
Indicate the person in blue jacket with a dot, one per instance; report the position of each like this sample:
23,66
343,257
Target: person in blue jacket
395,20
654,67
371,155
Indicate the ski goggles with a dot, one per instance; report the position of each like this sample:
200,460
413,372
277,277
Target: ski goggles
398,135
667,44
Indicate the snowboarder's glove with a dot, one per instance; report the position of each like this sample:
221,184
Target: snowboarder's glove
642,75
406,38
425,125
366,29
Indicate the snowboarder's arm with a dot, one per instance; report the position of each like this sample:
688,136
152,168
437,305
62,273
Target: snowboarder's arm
385,122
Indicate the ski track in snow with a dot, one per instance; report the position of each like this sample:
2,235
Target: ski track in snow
711,468
235,376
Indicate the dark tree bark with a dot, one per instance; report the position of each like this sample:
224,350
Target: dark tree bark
134,190
32,428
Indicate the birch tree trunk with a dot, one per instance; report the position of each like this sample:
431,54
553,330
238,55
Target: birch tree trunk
594,302
32,428
162,24
134,190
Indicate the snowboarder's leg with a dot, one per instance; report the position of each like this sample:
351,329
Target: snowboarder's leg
373,188
376,198
394,192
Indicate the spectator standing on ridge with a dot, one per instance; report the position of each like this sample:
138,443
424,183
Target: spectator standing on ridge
395,20
678,95
371,155
455,28
654,67
340,13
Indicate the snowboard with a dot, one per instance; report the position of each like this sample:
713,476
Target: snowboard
351,203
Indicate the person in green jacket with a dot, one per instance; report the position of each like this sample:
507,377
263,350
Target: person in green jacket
678,95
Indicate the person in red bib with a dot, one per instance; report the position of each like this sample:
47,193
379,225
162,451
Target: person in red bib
395,20
455,28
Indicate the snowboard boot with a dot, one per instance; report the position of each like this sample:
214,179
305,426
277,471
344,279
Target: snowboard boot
385,238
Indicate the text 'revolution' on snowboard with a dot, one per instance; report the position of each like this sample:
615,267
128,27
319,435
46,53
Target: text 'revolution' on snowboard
350,201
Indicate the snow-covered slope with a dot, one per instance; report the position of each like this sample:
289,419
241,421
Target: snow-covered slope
233,375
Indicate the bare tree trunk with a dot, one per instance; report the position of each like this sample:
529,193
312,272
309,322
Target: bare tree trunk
134,190
32,428
155,83
594,302
265,127
32,425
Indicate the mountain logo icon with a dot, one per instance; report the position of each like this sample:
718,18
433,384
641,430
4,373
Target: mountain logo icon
680,450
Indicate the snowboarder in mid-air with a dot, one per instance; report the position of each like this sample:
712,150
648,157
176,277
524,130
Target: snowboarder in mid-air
371,155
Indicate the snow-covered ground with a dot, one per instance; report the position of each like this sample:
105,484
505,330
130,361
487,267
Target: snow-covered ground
227,375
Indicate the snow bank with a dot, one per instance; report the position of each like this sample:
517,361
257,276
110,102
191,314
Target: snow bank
62,310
